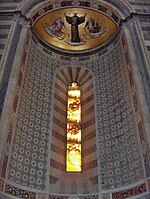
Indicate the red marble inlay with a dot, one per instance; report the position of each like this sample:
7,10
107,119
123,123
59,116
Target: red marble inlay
123,39
4,166
131,79
15,103
130,192
10,133
1,184
19,79
141,133
19,193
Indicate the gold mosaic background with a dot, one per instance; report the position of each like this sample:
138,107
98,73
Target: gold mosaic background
90,43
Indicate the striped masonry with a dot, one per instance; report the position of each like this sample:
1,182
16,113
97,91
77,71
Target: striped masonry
5,24
58,143
142,7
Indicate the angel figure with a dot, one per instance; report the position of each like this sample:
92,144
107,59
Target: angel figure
55,29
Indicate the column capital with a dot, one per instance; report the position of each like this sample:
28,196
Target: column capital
20,19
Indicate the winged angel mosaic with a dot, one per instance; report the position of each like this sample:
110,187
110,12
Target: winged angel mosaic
92,29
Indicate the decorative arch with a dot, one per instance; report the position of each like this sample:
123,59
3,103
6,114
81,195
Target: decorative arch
87,180
124,7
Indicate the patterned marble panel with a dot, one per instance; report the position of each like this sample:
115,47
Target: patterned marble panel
130,192
19,193
118,133
29,153
119,153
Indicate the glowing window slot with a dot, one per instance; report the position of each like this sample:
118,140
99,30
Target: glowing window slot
73,159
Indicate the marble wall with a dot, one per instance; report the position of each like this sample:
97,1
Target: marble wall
116,151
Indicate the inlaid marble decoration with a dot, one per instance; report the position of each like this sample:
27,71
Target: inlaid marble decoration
114,141
117,133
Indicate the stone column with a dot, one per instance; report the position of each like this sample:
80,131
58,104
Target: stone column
138,77
18,46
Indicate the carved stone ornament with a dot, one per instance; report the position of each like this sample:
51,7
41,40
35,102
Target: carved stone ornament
21,20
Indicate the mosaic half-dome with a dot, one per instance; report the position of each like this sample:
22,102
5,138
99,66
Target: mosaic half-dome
75,29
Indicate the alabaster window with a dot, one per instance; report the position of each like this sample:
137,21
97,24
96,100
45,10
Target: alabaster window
73,156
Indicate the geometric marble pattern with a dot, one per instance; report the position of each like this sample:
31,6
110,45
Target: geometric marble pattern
119,157
28,163
117,133
119,148
120,160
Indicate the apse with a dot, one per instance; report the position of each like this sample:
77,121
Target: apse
74,120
